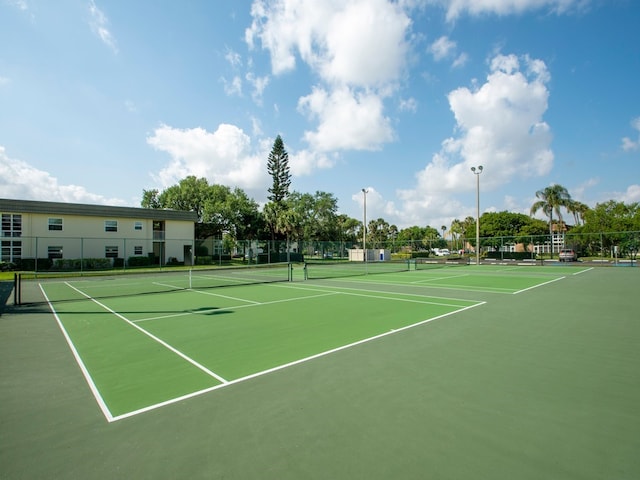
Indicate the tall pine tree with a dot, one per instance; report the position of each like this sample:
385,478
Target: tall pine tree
278,168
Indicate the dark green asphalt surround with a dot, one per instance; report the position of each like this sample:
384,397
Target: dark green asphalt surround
544,384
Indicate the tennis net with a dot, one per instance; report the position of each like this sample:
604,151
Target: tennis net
61,287
430,263
328,269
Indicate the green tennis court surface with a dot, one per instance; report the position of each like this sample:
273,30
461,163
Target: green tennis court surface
446,372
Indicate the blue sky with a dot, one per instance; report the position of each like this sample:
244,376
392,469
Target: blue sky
102,99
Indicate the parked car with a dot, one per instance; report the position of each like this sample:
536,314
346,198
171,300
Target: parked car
567,255
443,252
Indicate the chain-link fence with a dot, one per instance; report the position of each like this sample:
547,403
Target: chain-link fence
86,254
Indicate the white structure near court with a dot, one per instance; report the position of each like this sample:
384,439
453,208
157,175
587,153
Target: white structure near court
54,230
373,255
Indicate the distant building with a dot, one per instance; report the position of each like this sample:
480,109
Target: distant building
35,229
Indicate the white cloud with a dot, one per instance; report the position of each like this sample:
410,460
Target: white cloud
19,4
442,48
358,49
456,8
4,81
306,162
234,58
629,145
377,206
460,61
222,157
631,195
233,87
99,23
408,105
500,126
21,181
354,42
258,84
347,120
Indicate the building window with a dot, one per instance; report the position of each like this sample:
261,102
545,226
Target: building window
11,225
110,225
137,250
137,226
55,224
111,252
11,250
54,252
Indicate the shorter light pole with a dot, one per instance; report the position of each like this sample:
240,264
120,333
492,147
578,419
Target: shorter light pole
364,226
477,172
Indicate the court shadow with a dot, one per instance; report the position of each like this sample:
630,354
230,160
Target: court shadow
5,292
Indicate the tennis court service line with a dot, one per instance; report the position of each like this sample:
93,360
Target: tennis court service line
153,337
539,285
291,364
233,307
207,293
371,294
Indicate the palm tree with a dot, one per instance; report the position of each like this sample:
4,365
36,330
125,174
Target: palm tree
550,200
457,229
578,209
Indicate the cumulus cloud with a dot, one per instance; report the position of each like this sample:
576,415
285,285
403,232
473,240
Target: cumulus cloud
358,50
19,180
377,206
631,194
99,25
499,125
347,120
628,144
224,157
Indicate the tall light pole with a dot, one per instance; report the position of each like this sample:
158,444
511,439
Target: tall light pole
364,226
477,172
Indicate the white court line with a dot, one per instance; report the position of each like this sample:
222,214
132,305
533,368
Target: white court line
87,376
233,307
206,293
321,288
447,277
582,271
440,287
290,364
539,285
153,337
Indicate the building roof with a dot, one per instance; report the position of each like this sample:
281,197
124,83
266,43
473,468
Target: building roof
60,208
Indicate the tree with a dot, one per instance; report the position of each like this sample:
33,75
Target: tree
550,200
150,199
278,168
578,209
457,230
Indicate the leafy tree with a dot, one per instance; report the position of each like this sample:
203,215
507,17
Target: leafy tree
550,201
278,168
150,199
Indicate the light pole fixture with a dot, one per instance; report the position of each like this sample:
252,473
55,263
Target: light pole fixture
364,226
477,171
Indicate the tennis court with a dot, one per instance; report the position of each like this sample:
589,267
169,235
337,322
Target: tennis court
455,371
